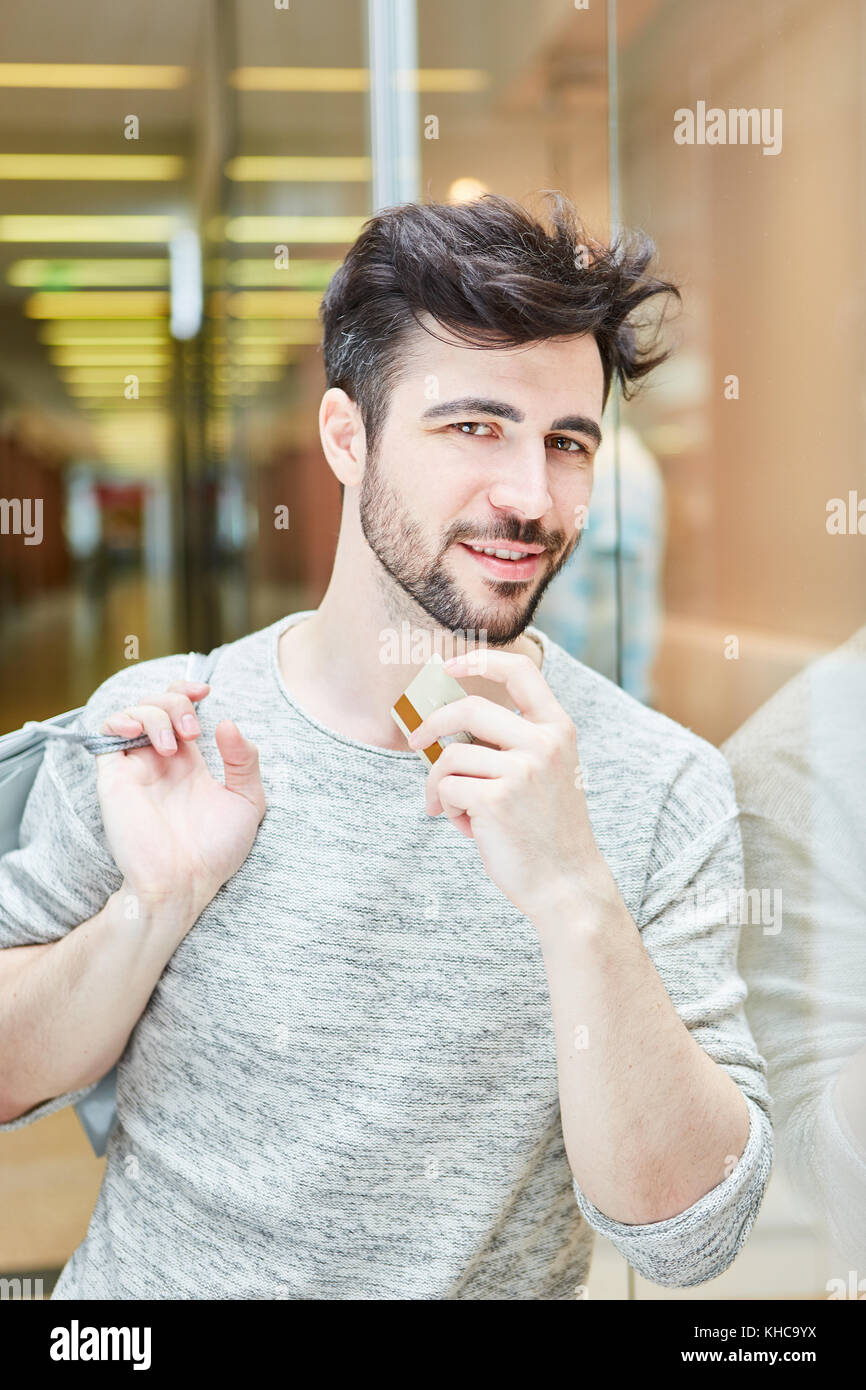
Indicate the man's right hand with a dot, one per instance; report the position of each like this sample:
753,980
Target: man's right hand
175,833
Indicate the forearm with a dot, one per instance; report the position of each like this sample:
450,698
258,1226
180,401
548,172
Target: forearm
67,1007
650,1122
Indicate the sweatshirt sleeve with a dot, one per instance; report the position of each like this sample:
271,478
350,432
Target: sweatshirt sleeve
689,921
63,873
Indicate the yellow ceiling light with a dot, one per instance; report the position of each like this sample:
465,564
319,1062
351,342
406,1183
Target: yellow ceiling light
107,375
84,273
466,190
287,230
290,304
115,350
248,374
95,389
285,332
260,374
146,168
97,304
65,228
300,273
135,357
126,335
300,79
248,168
443,80
262,79
152,425
233,388
142,77
258,357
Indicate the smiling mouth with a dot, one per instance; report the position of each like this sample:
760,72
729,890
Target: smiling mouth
503,562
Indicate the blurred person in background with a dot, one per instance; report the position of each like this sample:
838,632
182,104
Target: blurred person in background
799,765
579,609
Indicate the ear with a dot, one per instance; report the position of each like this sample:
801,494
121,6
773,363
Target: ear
341,431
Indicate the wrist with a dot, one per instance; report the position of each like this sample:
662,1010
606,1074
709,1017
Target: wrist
581,899
175,906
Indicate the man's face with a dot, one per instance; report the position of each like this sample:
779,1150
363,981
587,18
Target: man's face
491,448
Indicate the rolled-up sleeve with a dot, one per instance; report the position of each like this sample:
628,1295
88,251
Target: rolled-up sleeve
692,913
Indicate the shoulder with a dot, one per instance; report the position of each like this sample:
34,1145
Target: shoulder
637,749
129,684
244,658
631,729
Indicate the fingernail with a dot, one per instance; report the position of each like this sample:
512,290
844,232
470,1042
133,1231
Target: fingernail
189,724
166,739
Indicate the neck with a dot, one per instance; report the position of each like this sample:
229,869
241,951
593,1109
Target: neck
350,661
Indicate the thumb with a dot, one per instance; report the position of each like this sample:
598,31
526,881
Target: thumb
241,763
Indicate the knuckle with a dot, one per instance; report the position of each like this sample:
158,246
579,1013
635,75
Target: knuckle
527,767
498,793
147,706
152,714
180,704
550,741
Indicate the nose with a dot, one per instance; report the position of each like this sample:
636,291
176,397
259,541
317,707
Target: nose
520,484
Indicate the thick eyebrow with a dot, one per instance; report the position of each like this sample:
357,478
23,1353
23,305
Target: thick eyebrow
578,424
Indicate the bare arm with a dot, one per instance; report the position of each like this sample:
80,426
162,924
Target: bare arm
69,1006
650,1122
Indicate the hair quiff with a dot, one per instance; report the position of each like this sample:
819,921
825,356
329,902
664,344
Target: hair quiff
494,276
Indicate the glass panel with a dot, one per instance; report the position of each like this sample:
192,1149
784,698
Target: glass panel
97,168
742,140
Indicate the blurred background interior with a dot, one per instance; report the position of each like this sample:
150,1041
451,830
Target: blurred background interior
177,184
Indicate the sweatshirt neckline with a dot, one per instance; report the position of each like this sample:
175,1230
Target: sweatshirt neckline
407,754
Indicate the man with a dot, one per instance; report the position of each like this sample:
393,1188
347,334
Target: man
389,1031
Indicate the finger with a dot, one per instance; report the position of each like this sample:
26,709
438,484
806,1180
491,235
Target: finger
479,717
193,689
121,724
179,709
520,676
157,725
241,764
467,794
463,760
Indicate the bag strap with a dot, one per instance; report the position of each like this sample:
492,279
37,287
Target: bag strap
199,666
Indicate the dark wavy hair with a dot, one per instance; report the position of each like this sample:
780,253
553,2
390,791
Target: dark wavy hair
494,277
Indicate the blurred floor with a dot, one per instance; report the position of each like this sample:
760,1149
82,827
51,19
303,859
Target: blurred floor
60,645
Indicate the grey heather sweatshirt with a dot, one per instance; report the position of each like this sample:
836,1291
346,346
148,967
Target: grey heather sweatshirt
344,1084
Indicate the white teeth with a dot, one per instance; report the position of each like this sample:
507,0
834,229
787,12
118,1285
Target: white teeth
500,554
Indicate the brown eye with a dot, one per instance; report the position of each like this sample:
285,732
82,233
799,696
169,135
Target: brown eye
578,447
472,425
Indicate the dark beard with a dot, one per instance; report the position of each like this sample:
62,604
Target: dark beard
396,541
